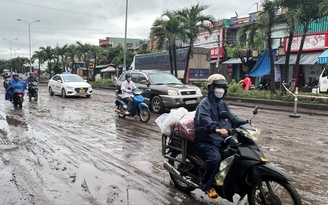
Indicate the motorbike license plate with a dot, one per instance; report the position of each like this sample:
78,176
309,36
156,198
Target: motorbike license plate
189,102
82,91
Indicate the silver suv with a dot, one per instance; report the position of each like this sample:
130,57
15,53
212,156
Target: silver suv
163,90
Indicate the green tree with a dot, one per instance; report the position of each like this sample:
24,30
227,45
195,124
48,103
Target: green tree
40,57
49,54
264,25
167,28
193,21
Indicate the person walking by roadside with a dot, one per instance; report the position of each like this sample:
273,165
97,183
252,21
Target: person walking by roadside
246,82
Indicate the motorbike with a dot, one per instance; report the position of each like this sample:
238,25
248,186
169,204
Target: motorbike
244,169
5,83
18,99
139,107
33,90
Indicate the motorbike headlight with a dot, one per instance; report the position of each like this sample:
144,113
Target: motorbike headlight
172,92
198,91
253,134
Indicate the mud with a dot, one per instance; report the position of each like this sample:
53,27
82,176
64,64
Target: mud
77,151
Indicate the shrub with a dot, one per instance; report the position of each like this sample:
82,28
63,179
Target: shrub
103,82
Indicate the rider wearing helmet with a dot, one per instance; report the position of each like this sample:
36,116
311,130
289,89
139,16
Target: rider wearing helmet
126,88
31,78
210,130
15,85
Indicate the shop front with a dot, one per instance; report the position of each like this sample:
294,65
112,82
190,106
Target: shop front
308,70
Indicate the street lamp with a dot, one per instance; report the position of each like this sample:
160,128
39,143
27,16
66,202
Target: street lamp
15,51
125,46
10,50
29,37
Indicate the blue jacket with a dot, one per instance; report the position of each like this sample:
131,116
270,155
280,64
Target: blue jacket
207,120
16,86
31,80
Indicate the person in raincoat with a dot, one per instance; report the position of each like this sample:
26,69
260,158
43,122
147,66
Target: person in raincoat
246,82
15,85
211,131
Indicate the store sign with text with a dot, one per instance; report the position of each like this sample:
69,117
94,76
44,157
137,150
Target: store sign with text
312,42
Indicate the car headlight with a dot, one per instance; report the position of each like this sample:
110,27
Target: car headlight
198,91
172,92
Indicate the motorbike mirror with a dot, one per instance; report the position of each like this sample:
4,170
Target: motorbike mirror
255,111
225,115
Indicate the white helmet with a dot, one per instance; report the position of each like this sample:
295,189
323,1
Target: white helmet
218,80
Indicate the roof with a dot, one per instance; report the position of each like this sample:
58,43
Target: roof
235,61
306,59
323,58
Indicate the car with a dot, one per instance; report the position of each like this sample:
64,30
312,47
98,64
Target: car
163,90
69,85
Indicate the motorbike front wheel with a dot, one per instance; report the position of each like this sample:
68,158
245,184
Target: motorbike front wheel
144,114
121,110
276,192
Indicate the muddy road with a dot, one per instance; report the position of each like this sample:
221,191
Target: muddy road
77,151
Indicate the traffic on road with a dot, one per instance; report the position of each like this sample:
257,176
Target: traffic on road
77,150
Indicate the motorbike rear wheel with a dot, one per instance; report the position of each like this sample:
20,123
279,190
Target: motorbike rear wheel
177,182
276,192
144,114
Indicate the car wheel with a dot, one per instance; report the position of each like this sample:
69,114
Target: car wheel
88,96
63,93
157,105
50,91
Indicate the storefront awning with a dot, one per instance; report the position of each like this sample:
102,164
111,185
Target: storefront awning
306,59
235,61
323,58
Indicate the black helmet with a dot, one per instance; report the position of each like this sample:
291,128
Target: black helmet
30,73
128,75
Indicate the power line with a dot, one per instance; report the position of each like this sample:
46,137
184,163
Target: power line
55,9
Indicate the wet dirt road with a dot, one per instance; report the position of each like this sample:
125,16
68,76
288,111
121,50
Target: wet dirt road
77,151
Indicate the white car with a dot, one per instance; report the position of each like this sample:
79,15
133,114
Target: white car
69,85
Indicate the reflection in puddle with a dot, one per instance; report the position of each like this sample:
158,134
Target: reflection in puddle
15,122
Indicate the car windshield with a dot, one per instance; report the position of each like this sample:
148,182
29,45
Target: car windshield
163,78
72,78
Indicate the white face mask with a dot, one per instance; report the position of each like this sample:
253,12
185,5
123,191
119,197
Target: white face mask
219,92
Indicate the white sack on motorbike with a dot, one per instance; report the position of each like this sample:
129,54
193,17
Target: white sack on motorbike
165,121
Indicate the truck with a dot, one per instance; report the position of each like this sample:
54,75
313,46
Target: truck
198,69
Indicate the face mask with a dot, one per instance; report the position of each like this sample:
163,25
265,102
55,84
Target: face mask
219,92
128,79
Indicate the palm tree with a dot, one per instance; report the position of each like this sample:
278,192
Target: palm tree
167,28
84,53
61,52
308,11
40,56
193,21
71,53
264,24
49,54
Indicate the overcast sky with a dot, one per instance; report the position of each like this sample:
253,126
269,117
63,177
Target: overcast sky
67,21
